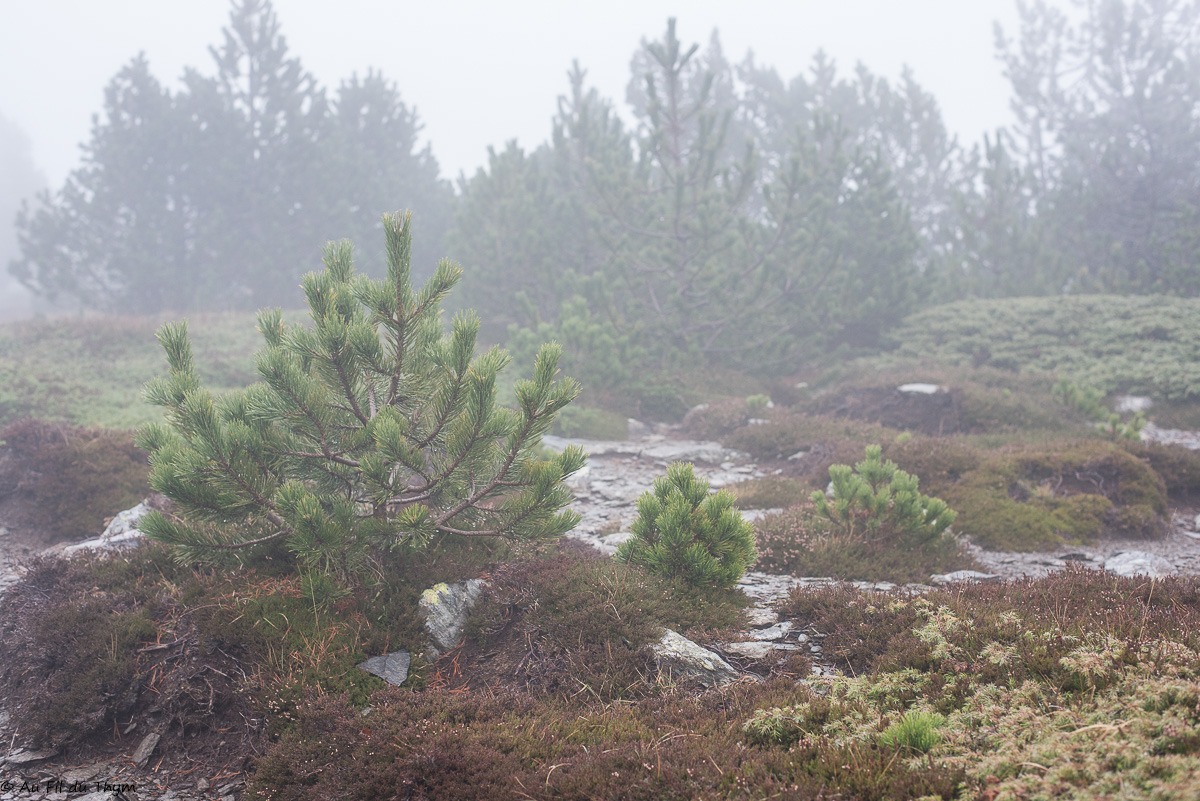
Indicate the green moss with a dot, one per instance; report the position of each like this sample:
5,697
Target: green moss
91,370
1035,496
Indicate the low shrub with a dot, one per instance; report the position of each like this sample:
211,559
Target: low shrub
683,533
61,480
798,542
1082,338
574,621
876,501
715,420
1179,468
823,439
770,492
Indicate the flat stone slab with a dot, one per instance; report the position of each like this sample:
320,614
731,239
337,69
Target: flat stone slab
754,649
24,756
392,668
962,575
920,389
1139,563
145,748
654,448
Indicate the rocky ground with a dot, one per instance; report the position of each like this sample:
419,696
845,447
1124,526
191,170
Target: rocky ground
606,495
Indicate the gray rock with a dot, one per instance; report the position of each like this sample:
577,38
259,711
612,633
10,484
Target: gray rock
754,515
920,389
759,616
765,587
24,756
680,658
618,539
445,608
145,748
962,575
776,632
1171,436
754,649
1139,563
637,429
121,532
392,668
1130,404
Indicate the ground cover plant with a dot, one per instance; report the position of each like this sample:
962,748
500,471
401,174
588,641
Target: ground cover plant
90,370
1078,686
104,471
1085,339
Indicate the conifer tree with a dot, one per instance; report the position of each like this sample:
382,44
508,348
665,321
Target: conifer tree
682,532
370,429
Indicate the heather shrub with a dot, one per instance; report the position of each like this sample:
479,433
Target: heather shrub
64,479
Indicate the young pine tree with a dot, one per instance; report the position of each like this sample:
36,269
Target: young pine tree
370,429
682,532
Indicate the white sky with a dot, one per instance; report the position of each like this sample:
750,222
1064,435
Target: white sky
481,73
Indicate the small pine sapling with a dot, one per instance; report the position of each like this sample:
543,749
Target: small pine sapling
683,532
876,501
370,429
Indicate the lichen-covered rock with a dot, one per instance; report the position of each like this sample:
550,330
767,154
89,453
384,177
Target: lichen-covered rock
445,608
680,658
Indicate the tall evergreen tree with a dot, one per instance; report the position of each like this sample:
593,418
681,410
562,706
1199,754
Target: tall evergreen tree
375,163
1108,126
124,213
221,195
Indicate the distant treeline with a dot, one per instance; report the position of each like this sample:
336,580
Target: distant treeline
741,219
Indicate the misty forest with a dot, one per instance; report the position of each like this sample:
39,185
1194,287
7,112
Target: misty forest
751,437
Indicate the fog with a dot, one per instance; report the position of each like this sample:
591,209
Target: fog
478,74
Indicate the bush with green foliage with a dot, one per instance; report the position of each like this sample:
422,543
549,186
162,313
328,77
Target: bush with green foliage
1090,401
683,532
1086,339
877,501
372,429
917,731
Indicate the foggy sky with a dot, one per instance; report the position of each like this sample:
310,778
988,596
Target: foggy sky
481,73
